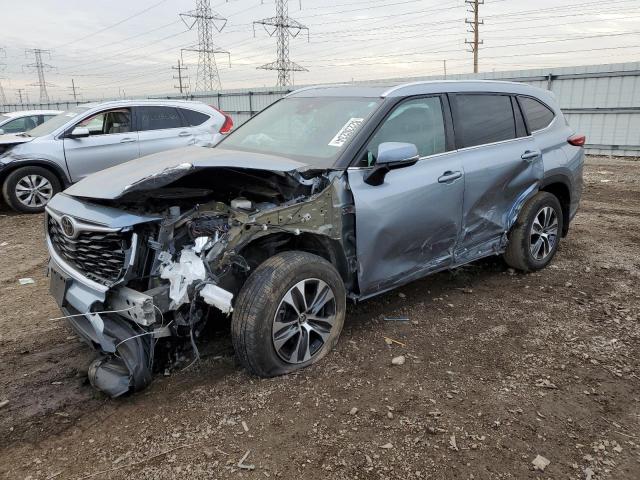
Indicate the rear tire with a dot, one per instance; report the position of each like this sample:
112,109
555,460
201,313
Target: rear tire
28,189
534,239
289,314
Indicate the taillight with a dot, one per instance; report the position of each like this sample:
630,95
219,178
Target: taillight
577,140
228,121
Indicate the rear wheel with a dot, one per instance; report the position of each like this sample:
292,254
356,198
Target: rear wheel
28,189
534,238
289,314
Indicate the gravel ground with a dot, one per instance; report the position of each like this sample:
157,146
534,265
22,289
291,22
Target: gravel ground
499,368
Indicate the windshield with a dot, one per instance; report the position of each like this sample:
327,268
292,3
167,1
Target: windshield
56,122
311,130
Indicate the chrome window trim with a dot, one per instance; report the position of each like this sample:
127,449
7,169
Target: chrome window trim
455,151
548,127
463,149
427,157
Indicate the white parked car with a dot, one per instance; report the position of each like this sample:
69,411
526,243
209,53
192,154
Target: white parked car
37,164
18,122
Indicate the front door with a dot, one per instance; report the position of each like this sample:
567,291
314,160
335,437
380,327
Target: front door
409,225
111,141
162,128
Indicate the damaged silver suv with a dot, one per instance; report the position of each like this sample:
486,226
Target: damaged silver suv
330,193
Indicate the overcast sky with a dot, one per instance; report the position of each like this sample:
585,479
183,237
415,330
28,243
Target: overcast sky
106,52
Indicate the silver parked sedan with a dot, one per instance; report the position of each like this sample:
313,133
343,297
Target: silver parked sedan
18,122
36,165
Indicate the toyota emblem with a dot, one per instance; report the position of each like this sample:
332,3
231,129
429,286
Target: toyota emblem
68,226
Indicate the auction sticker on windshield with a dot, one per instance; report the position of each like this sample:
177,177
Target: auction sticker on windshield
346,132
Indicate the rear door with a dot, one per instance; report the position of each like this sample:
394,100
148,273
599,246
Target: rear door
408,226
162,128
502,166
111,142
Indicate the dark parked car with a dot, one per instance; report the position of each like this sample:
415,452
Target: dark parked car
331,193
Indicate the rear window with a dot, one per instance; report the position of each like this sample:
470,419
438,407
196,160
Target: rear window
194,118
158,118
538,115
482,119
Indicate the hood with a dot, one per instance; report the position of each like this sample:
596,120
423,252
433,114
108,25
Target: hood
161,169
10,139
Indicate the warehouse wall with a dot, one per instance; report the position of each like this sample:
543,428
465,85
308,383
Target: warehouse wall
601,101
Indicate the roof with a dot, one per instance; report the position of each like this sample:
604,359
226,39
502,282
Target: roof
141,101
25,113
419,88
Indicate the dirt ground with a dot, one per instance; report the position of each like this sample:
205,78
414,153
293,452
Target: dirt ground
500,367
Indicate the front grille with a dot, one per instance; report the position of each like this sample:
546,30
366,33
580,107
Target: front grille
99,256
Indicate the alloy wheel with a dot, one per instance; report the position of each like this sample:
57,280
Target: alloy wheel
304,320
34,191
544,233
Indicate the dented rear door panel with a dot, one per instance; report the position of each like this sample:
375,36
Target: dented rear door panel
497,183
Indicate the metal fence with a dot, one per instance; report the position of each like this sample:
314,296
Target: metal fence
601,101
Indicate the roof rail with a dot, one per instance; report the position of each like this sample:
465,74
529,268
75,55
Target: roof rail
313,87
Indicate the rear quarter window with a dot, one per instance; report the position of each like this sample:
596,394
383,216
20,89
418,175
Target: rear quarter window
158,118
194,118
538,115
483,118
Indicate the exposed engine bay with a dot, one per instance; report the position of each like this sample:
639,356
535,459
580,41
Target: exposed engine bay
194,242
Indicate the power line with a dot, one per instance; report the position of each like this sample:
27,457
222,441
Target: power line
284,27
207,77
108,27
475,23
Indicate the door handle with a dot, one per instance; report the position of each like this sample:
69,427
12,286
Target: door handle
184,134
449,176
127,140
530,155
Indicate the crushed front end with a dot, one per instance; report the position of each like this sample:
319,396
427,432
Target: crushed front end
154,265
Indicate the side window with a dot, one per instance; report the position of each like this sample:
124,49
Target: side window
194,118
108,122
17,125
482,118
538,115
158,118
418,121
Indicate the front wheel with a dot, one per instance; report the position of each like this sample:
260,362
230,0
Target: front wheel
28,189
534,239
289,314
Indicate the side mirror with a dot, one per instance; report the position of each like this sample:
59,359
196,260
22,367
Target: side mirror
80,132
391,155
1,131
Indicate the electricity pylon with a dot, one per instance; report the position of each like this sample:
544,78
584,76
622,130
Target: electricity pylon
284,27
207,77
40,68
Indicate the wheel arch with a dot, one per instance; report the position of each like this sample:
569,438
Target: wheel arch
259,249
56,169
559,186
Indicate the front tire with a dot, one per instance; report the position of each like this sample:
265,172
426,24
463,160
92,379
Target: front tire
289,314
28,189
534,239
